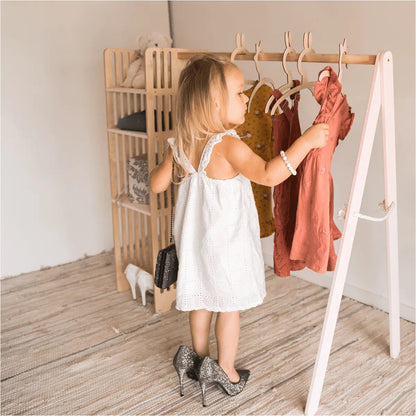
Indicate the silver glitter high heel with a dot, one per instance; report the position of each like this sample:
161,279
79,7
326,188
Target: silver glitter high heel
186,360
211,372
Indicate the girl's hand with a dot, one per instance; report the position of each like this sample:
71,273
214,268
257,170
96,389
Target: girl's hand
316,136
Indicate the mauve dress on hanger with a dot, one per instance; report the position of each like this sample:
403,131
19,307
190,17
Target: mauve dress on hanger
286,129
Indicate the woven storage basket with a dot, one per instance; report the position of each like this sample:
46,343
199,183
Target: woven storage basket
138,170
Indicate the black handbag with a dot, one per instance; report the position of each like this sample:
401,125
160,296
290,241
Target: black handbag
167,264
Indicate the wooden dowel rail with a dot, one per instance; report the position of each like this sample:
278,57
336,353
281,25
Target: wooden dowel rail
293,57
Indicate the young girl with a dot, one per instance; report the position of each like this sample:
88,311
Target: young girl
216,227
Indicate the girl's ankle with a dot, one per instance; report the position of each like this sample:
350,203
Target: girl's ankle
202,352
231,372
233,376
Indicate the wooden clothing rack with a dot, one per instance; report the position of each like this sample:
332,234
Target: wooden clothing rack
141,230
381,97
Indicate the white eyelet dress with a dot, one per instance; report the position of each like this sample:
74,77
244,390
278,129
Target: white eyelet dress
217,237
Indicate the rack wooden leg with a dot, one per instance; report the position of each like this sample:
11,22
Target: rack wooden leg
390,195
357,190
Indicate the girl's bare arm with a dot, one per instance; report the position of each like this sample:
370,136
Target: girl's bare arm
271,173
161,175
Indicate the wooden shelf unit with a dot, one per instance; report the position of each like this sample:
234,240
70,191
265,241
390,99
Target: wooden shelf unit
140,230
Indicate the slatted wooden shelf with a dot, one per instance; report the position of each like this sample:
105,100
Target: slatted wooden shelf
141,134
124,201
126,90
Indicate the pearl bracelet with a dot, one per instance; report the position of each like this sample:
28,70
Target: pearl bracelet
287,163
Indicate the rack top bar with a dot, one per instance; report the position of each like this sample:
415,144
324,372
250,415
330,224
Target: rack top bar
293,57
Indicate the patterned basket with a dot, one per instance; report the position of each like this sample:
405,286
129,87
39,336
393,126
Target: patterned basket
138,170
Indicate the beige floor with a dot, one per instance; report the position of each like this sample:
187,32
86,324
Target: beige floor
72,345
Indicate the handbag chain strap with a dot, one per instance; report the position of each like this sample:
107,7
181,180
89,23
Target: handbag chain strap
171,202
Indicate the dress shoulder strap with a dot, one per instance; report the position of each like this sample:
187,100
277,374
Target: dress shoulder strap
206,154
188,164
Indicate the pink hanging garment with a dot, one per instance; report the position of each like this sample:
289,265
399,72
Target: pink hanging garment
312,244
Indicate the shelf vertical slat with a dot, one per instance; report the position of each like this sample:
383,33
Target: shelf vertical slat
124,235
124,158
143,242
158,70
128,229
149,262
120,167
159,106
124,65
118,104
132,231
123,188
136,259
131,99
130,222
124,61
120,280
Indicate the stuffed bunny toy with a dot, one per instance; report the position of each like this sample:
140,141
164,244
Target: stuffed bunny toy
136,71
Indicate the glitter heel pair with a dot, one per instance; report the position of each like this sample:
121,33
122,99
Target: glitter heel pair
206,370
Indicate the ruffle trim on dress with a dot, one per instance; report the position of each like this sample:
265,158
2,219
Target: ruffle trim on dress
346,127
189,167
326,92
191,306
206,155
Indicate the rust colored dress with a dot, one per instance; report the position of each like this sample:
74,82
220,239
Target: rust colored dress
256,133
311,243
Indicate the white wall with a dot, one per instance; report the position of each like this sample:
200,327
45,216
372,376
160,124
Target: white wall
55,177
369,27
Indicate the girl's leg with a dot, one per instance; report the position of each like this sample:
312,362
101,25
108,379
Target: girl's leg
200,323
227,332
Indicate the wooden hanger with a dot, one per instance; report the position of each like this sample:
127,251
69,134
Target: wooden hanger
310,85
343,49
290,83
240,41
261,80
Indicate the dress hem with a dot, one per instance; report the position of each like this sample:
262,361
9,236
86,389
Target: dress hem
222,310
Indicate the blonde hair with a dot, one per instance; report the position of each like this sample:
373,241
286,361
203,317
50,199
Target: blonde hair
197,118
